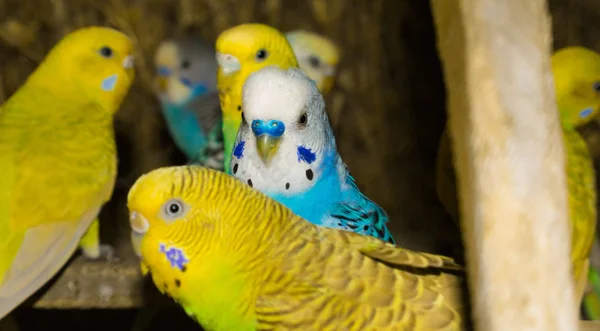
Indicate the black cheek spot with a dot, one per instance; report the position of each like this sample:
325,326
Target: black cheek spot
366,227
177,282
239,108
287,186
250,182
235,167
183,268
309,174
165,285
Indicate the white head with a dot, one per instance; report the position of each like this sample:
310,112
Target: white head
285,133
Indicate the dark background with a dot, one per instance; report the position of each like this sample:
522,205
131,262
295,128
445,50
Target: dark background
388,111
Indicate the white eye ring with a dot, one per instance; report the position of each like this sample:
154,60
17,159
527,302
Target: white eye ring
174,208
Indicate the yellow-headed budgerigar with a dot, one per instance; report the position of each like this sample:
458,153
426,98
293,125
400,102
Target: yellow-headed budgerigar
187,88
58,158
577,82
286,149
236,259
242,50
317,57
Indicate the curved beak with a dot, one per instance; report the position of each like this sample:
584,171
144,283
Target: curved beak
267,146
161,84
136,242
228,63
139,226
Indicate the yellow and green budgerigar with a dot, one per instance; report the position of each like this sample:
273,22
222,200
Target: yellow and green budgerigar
242,50
58,158
317,55
576,73
577,81
236,259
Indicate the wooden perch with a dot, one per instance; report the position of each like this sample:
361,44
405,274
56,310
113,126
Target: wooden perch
509,161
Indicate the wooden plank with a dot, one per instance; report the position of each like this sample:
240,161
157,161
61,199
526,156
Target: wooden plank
509,161
86,284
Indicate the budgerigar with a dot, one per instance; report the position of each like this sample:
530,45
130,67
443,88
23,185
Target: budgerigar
317,57
187,87
286,149
58,158
242,50
577,81
236,259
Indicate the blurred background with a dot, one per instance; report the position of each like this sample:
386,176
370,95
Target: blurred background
387,110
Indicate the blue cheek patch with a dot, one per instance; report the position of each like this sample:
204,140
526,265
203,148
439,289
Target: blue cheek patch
586,112
163,71
197,89
238,151
108,83
175,256
306,155
186,82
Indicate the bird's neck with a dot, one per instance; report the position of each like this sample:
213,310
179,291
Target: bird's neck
230,129
223,297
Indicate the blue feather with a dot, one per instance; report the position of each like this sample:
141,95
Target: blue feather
306,155
185,129
239,149
335,205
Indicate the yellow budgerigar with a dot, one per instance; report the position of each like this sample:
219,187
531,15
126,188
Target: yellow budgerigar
242,50
317,57
58,158
576,73
577,80
237,260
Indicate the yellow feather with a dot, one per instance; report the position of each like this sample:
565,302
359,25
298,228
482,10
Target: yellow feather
237,260
58,156
576,73
317,56
242,43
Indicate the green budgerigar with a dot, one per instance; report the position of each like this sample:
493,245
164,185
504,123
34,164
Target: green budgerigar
236,259
58,158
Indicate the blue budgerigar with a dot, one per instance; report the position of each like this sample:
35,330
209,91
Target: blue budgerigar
285,148
186,86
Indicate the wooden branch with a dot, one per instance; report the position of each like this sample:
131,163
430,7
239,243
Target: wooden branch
509,160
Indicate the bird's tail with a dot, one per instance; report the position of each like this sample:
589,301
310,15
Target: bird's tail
591,299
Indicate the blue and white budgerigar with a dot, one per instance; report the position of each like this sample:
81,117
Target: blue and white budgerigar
285,148
186,84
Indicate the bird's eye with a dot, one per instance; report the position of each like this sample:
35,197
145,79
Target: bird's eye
314,61
597,87
185,64
174,209
303,119
106,52
261,54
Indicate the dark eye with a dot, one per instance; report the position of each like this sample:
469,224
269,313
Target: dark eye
261,54
303,119
314,61
173,208
185,64
597,87
106,52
